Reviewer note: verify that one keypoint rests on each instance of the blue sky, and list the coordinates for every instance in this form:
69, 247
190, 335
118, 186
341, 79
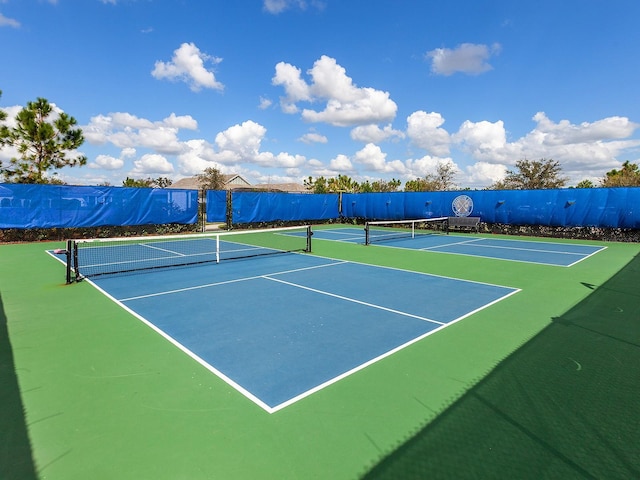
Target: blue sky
280, 90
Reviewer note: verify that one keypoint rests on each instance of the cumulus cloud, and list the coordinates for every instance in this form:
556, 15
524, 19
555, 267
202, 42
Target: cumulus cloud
423, 129
151, 164
484, 173
188, 65
128, 131
264, 103
8, 22
468, 58
417, 168
375, 160
341, 163
375, 134
584, 150
313, 137
279, 6
107, 162
345, 103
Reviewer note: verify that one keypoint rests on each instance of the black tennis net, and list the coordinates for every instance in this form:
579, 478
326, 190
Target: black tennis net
385, 230
102, 256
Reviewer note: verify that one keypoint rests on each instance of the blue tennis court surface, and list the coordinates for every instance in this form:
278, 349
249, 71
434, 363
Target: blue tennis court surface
542, 252
278, 328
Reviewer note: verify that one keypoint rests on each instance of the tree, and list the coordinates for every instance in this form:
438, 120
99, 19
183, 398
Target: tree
319, 185
441, 180
533, 175
211, 179
380, 186
627, 176
4, 131
585, 184
160, 182
43, 143
341, 183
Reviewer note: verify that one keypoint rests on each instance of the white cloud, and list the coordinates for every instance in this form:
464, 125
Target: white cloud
128, 131
244, 140
483, 173
313, 137
424, 131
188, 65
584, 150
107, 162
417, 168
150, 164
278, 6
375, 134
8, 22
346, 104
264, 103
375, 160
467, 58
341, 163
564, 132
485, 140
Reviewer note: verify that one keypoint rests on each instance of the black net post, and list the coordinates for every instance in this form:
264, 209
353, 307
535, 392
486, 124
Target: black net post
68, 257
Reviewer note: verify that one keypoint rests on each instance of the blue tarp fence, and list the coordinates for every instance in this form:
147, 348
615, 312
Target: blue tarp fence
589, 207
62, 206
251, 207
216, 206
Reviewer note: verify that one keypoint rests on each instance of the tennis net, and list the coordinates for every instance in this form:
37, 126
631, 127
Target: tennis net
101, 256
380, 231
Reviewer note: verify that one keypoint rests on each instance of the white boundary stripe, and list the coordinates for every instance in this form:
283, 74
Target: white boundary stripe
153, 247
236, 280
319, 387
353, 300
198, 359
384, 355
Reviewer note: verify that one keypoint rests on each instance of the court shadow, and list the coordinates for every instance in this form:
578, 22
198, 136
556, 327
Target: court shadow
564, 405
16, 460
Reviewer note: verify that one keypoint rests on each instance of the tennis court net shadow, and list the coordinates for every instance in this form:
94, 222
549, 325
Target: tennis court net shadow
16, 460
564, 405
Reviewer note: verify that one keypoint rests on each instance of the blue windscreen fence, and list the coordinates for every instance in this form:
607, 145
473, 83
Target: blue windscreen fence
252, 207
590, 207
63, 206
216, 205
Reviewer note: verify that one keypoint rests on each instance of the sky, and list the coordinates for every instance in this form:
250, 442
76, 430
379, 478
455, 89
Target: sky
280, 90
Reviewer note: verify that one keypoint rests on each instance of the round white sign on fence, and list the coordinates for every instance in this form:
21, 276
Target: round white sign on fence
462, 206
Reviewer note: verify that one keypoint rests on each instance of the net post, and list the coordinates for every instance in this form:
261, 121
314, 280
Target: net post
309, 235
76, 264
367, 240
217, 248
68, 258
413, 229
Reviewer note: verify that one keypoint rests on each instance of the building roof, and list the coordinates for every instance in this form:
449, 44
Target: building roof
236, 182
192, 183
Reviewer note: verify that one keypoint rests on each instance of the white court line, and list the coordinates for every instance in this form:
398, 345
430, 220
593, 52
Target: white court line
502, 247
162, 249
353, 300
236, 280
453, 243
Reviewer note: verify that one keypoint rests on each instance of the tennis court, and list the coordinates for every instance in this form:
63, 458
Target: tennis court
349, 361
303, 323
541, 252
